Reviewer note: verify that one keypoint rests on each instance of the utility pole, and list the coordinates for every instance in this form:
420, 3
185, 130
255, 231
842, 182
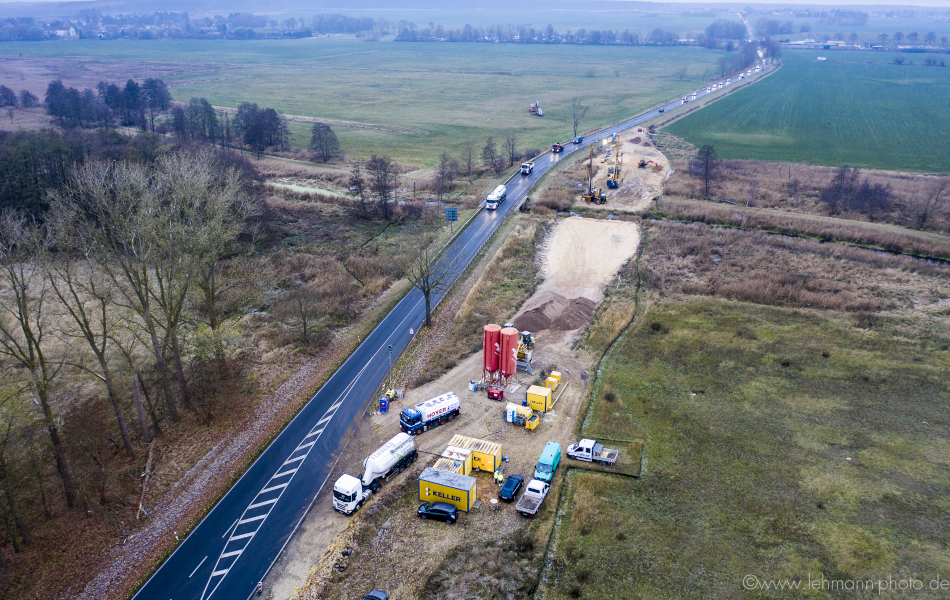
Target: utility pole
390, 366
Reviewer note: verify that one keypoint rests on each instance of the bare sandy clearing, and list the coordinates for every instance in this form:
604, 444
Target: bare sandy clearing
579, 259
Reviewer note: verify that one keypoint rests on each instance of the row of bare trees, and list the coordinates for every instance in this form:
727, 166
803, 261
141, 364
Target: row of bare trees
495, 158
126, 263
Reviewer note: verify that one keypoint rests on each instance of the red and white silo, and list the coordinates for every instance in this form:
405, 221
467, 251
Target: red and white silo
509, 351
492, 341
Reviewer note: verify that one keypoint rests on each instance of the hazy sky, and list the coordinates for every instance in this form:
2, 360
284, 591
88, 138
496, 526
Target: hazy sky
940, 3
778, 3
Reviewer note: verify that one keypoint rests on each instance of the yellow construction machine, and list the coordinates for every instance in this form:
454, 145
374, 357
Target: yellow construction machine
613, 180
592, 195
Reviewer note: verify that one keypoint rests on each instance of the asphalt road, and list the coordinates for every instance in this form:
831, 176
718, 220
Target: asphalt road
243, 535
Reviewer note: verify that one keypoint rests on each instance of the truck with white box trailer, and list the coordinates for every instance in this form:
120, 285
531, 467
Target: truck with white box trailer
349, 492
426, 415
496, 197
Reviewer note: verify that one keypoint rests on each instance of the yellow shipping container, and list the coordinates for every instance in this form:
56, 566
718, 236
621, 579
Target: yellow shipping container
556, 375
459, 455
540, 398
486, 456
441, 486
551, 383
449, 466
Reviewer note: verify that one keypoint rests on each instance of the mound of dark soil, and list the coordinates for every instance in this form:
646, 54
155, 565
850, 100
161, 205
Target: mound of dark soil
557, 314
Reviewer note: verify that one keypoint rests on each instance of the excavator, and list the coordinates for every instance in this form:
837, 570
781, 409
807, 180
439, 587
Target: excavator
592, 195
613, 179
643, 164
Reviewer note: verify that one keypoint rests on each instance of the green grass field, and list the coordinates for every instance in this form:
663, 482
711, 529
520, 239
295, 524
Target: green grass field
436, 95
865, 114
779, 444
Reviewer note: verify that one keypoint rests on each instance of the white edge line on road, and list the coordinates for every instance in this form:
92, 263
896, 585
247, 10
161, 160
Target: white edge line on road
230, 528
198, 567
205, 594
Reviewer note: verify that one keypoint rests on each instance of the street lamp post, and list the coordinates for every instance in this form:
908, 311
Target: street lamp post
390, 366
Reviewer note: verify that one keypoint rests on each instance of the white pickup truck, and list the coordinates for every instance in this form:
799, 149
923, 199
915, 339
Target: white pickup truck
532, 498
591, 451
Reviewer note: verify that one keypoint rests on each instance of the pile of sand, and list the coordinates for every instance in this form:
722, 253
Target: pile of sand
557, 314
580, 257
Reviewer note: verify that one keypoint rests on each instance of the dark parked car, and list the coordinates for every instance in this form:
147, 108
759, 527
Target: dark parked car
376, 595
510, 489
440, 511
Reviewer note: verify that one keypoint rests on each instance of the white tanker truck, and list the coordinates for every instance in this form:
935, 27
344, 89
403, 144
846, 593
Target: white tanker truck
349, 493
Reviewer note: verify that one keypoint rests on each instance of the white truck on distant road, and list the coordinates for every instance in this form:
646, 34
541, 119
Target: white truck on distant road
526, 168
591, 451
532, 498
349, 493
496, 197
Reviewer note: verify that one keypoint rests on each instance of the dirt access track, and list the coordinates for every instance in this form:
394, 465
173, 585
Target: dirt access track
580, 257
638, 187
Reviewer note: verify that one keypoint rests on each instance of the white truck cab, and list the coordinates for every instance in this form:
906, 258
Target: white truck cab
349, 494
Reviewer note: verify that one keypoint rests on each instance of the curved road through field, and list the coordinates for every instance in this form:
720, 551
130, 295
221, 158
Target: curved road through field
239, 540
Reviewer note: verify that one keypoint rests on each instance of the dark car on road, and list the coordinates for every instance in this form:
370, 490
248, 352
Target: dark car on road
662, 109
376, 595
440, 511
510, 489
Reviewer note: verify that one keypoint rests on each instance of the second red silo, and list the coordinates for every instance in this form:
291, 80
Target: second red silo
509, 351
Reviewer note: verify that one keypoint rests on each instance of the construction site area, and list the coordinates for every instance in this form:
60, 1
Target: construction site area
630, 170
490, 417
623, 174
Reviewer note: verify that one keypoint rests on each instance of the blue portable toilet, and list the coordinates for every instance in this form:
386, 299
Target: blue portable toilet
383, 404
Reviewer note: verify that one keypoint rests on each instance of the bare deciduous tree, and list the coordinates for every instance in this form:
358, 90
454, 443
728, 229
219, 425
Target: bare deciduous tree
467, 156
708, 168
383, 176
358, 187
432, 273
88, 300
444, 175
511, 147
24, 327
302, 306
12, 414
929, 202
123, 228
578, 111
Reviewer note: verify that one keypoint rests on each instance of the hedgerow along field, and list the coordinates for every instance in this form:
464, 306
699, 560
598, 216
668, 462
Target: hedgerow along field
431, 97
872, 114
778, 443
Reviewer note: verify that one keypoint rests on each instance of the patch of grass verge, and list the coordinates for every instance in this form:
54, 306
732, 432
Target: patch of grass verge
834, 466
